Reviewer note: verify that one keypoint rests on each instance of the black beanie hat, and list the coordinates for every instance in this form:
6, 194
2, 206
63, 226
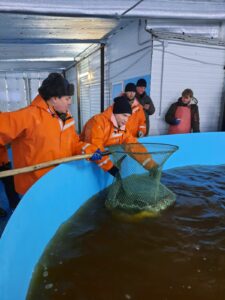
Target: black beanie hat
55, 85
121, 106
141, 82
130, 87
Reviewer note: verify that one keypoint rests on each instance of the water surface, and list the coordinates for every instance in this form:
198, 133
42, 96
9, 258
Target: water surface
179, 254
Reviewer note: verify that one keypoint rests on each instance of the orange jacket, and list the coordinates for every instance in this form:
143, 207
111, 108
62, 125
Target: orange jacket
36, 135
137, 121
4, 159
101, 130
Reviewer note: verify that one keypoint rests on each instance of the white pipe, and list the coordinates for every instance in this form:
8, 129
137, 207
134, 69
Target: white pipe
147, 9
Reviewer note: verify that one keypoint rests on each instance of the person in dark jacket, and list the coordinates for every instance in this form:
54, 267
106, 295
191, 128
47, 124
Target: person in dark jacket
145, 101
183, 115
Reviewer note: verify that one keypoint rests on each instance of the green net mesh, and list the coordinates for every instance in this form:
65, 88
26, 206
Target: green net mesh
137, 189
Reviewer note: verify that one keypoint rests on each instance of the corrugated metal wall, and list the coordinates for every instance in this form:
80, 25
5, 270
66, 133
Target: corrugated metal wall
90, 84
18, 89
71, 76
181, 66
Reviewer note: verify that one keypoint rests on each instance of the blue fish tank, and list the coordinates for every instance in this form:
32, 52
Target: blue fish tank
62, 192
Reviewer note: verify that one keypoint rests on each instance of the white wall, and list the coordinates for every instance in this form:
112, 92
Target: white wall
89, 76
89, 82
18, 89
194, 66
197, 67
128, 53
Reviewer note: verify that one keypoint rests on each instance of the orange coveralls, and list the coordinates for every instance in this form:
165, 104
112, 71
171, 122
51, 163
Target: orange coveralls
137, 121
102, 130
36, 135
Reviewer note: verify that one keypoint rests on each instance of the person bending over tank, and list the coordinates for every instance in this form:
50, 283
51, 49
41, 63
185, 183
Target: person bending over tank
145, 101
136, 123
109, 128
43, 131
183, 115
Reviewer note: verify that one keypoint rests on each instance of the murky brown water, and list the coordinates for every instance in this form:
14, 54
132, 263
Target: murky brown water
177, 255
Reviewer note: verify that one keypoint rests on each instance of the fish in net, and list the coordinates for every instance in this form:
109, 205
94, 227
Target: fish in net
137, 189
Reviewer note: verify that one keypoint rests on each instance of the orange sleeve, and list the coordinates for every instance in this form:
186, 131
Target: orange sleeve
12, 124
129, 138
140, 154
142, 121
94, 134
81, 147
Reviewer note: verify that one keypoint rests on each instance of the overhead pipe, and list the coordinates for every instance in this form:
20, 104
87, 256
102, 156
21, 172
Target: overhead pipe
184, 27
150, 10
211, 31
47, 41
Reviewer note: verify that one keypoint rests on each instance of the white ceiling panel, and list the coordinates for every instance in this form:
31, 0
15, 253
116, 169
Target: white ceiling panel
26, 37
62, 29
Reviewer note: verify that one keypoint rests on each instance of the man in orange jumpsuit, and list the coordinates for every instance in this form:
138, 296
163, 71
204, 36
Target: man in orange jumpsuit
43, 131
137, 122
109, 128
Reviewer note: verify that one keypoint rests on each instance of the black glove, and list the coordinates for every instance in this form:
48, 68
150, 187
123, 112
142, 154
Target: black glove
113, 171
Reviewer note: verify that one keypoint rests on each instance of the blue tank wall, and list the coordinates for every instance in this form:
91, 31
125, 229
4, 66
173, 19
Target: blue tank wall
58, 195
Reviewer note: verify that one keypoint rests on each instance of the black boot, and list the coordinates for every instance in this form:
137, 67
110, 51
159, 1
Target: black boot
3, 213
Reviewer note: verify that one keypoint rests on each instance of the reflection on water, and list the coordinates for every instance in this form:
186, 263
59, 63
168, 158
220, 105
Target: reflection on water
178, 255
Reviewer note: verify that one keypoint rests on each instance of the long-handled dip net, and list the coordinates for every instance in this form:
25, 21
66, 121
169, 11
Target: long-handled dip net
137, 186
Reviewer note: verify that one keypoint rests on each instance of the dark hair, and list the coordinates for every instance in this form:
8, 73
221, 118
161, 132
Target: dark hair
55, 85
187, 92
141, 82
130, 87
121, 106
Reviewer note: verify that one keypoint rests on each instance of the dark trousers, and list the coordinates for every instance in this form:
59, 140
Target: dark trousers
8, 183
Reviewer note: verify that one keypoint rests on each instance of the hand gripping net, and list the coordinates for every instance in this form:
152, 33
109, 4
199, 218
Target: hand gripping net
137, 188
